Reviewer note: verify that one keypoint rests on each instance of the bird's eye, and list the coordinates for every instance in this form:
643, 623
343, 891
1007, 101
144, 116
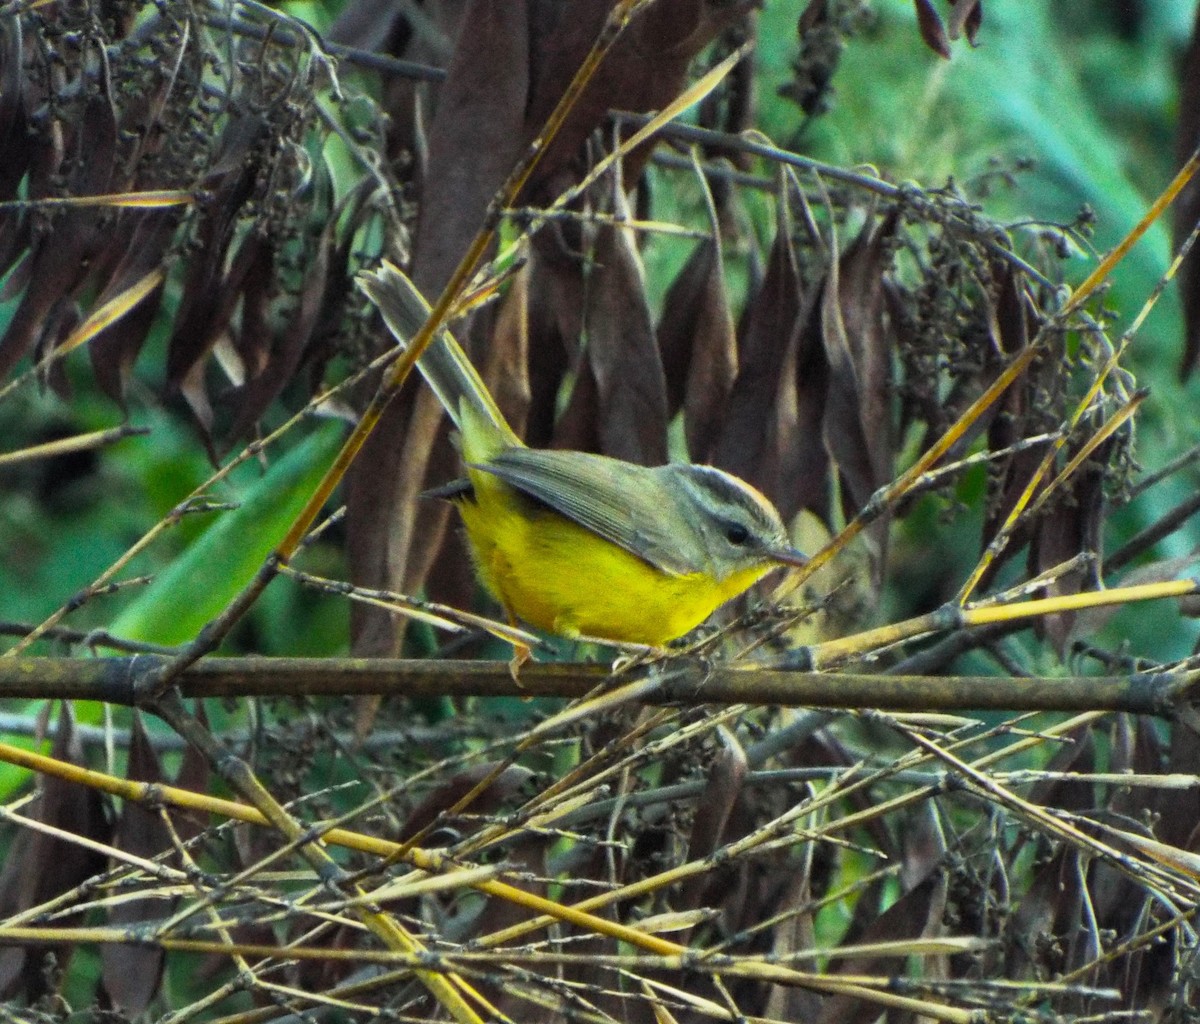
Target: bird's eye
736, 533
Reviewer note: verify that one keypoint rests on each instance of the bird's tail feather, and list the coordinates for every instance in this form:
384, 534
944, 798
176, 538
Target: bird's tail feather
443, 364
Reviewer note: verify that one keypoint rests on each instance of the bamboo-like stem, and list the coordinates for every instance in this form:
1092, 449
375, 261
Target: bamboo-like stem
450, 990
1119, 251
445, 986
951, 616
67, 445
117, 681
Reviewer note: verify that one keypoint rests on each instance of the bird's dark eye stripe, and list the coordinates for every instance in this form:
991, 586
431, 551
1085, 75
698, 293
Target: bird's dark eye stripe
718, 484
731, 492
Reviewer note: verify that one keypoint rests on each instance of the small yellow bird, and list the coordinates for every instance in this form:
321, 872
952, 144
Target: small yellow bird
582, 545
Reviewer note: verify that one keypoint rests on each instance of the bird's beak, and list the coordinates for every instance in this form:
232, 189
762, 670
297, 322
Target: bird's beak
788, 556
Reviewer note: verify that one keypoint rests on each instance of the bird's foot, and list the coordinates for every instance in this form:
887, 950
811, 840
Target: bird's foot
521, 654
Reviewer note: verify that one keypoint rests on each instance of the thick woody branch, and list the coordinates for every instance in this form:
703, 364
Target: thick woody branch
123, 681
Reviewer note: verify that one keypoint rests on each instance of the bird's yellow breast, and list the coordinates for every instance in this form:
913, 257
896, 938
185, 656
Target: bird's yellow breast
562, 578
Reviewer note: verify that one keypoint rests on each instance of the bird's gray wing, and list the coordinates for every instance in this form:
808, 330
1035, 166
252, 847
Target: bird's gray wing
626, 504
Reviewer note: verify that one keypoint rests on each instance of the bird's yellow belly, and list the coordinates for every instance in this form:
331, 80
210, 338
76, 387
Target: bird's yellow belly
560, 577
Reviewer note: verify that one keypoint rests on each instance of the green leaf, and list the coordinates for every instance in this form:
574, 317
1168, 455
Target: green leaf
202, 581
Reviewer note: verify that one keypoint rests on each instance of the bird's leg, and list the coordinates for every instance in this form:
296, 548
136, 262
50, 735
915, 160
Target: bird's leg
521, 652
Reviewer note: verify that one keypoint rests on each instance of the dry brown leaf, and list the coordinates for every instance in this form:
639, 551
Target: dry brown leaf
382, 481
761, 415
965, 19
677, 325
645, 70
869, 338
1070, 529
916, 914
1009, 323
1051, 897
1120, 904
1077, 756
208, 298
713, 367
932, 29
554, 304
61, 258
432, 810
42, 866
1178, 810
505, 360
13, 157
698, 342
804, 456
723, 788
578, 428
857, 421
857, 343
475, 137
115, 349
131, 974
797, 932
195, 774
1187, 206
622, 353
274, 366
1118, 900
